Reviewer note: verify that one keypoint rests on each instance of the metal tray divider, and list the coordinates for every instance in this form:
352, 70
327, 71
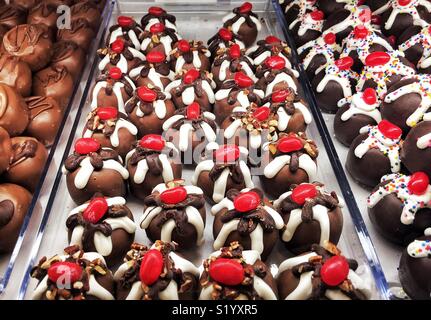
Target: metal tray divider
338, 168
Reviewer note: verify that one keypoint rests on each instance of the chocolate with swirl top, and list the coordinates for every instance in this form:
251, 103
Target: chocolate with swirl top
46, 14
12, 69
14, 114
88, 11
80, 33
11, 16
25, 4
69, 55
5, 149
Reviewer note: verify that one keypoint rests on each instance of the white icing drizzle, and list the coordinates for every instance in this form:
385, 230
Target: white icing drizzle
423, 38
131, 33
167, 23
343, 77
305, 163
159, 107
304, 6
122, 62
411, 203
242, 97
410, 9
419, 249
352, 20
424, 141
116, 89
357, 105
376, 140
306, 22
114, 138
166, 41
279, 78
319, 47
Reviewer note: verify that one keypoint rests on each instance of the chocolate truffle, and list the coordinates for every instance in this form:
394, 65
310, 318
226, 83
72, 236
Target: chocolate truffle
158, 38
113, 89
221, 170
402, 14
119, 54
399, 206
190, 86
80, 33
15, 73
102, 225
91, 169
415, 43
241, 91
14, 203
355, 112
57, 3
3, 31
374, 153
127, 29
25, 4
269, 47
307, 27
416, 149
148, 109
322, 274
26, 163
111, 129
229, 62
248, 217
11, 16
158, 15
288, 161
223, 39
191, 130
188, 55
382, 70
88, 277
55, 82
152, 162
45, 14
88, 11
31, 43
296, 8
69, 55
334, 82
5, 150
243, 22
236, 274
175, 212
414, 268
14, 113
311, 215
154, 72
45, 119
157, 273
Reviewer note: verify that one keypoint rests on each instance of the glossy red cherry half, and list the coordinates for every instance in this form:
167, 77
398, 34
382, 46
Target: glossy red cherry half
174, 195
360, 32
334, 271
115, 73
155, 57
317, 15
151, 267
191, 76
330, 38
289, 144
418, 183
303, 192
66, 272
225, 34
227, 153
157, 27
96, 209
344, 63
272, 39
107, 113
279, 96
235, 51
146, 94
117, 46
246, 7
404, 2
183, 45
242, 80
193, 111
246, 201
369, 96
275, 62
86, 145
125, 21
261, 113
226, 271
377, 58
156, 11
152, 142
389, 130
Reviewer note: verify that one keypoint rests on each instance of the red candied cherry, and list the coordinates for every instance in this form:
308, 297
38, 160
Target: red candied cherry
117, 46
272, 39
151, 267
261, 113
174, 195
125, 21
329, 38
235, 51
369, 96
404, 2
67, 272
344, 63
334, 271
246, 201
226, 271
86, 145
392, 40
155, 57
279, 96
360, 32
376, 19
418, 183
242, 80
303, 192
107, 113
191, 76
225, 34
246, 7
389, 130
317, 15
96, 209
146, 94
155, 11
115, 73
377, 58
289, 144
183, 45
157, 28
227, 153
193, 111
152, 142
275, 63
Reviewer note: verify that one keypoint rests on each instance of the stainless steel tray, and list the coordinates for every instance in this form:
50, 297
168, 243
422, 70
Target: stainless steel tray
42, 192
200, 21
